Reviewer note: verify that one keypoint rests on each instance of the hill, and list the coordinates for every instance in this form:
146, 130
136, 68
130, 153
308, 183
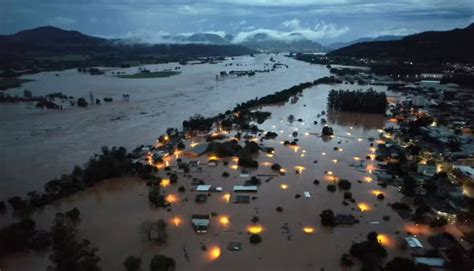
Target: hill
432, 46
338, 45
47, 48
266, 43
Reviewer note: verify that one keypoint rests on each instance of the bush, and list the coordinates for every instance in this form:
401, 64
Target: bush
173, 178
181, 146
327, 131
162, 263
344, 184
331, 188
225, 174
328, 218
279, 209
73, 214
248, 162
253, 181
16, 237
132, 263
255, 239
82, 102
155, 197
369, 252
347, 195
380, 196
346, 260
276, 167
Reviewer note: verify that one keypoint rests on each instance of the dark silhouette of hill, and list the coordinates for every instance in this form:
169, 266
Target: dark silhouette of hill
54, 48
432, 46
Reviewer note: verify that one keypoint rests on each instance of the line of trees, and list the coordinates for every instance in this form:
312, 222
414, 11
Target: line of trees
358, 101
201, 123
111, 163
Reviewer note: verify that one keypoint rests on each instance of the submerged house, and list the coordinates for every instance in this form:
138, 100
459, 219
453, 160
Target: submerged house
245, 188
200, 223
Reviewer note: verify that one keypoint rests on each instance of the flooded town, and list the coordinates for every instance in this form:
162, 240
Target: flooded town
236, 157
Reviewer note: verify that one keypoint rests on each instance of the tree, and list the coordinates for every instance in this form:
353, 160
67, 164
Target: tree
344, 184
328, 218
132, 263
255, 239
82, 102
68, 253
162, 263
327, 131
155, 231
156, 198
370, 252
17, 236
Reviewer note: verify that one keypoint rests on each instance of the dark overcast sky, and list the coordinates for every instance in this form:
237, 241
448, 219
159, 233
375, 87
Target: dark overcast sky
320, 20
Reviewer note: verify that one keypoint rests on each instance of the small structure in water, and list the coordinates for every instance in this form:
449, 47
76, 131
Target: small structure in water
200, 223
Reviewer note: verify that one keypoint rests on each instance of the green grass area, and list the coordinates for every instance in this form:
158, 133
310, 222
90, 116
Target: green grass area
141, 75
6, 83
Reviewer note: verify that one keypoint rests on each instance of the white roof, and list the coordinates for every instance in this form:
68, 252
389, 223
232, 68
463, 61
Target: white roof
466, 170
413, 242
244, 175
200, 222
307, 194
203, 187
245, 188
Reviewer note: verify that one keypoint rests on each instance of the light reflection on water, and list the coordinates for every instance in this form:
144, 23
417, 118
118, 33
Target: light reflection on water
38, 145
123, 205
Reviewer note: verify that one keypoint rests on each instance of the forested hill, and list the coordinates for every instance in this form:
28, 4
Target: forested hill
432, 46
51, 46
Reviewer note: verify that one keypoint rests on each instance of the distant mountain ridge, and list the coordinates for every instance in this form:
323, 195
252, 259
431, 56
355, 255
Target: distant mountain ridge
54, 48
439, 46
338, 45
259, 42
298, 43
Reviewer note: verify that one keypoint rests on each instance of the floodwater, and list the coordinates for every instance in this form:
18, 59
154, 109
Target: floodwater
37, 145
113, 212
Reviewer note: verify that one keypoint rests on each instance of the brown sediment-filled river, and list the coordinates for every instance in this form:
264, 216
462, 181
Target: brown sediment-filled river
112, 212
37, 145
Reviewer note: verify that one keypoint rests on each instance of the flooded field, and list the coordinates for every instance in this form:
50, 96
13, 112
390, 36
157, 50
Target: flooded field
37, 145
112, 213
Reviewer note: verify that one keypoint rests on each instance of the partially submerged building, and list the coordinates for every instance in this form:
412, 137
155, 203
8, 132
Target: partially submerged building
200, 223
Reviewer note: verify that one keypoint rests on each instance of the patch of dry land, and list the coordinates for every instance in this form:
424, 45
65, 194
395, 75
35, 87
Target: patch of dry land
113, 212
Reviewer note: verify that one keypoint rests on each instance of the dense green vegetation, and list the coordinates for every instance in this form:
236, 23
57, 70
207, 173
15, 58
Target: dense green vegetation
142, 75
358, 101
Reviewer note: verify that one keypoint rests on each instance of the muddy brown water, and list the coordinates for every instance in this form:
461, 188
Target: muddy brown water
113, 212
38, 145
